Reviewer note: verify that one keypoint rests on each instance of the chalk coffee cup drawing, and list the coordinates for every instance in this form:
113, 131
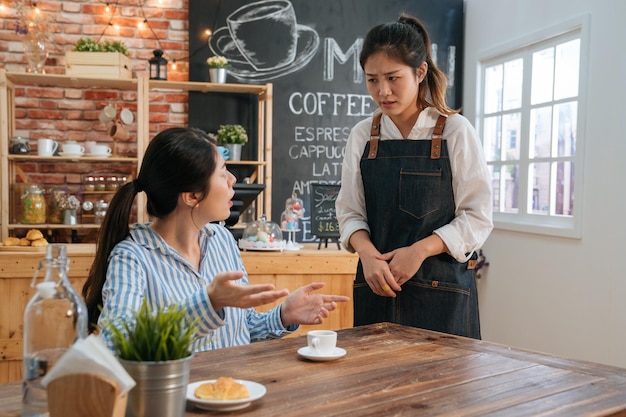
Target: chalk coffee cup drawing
119, 131
108, 113
47, 147
225, 152
276, 20
322, 342
72, 148
100, 150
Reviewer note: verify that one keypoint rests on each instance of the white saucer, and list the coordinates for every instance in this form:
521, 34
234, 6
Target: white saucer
314, 356
255, 390
70, 155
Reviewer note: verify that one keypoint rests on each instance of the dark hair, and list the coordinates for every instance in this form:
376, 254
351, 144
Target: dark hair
177, 160
408, 41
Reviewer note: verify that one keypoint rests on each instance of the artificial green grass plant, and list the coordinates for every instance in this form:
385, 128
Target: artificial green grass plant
152, 335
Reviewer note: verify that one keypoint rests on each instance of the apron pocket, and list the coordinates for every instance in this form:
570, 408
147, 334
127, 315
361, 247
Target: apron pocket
419, 192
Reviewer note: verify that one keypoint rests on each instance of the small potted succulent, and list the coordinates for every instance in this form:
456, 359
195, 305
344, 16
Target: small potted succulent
217, 68
154, 346
233, 137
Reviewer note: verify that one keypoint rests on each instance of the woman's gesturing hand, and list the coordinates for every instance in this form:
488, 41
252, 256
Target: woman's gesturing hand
303, 306
223, 292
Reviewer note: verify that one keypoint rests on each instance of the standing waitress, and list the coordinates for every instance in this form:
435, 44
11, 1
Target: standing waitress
415, 199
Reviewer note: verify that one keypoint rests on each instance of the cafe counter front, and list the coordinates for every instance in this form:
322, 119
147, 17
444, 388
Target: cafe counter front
287, 269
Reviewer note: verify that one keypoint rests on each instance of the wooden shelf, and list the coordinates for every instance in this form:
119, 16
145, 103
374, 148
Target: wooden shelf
52, 226
10, 83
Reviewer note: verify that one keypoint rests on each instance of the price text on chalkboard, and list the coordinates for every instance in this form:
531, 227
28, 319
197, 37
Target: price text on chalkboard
323, 214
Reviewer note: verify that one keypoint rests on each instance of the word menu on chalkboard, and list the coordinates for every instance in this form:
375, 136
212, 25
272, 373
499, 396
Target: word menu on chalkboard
324, 223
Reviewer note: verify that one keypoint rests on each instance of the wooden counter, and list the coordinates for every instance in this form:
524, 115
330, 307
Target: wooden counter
336, 268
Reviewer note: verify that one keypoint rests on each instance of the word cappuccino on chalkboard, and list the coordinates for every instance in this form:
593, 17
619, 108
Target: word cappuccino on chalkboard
323, 213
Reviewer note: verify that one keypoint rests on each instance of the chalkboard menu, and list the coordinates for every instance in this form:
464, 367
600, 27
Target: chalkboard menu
323, 214
309, 50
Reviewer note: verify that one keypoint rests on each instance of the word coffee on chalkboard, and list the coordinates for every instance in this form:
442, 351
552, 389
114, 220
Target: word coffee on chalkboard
323, 214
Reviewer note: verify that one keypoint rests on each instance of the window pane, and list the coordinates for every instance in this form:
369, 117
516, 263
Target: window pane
495, 186
563, 188
510, 178
511, 136
566, 70
543, 80
493, 89
513, 77
540, 132
539, 192
565, 121
491, 138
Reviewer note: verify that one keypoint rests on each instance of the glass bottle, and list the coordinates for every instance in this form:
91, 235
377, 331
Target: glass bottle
33, 205
53, 320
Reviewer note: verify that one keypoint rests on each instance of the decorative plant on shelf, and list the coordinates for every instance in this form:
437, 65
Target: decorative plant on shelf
232, 134
90, 45
217, 61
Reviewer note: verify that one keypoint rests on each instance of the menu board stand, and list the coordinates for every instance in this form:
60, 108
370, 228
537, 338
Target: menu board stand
324, 223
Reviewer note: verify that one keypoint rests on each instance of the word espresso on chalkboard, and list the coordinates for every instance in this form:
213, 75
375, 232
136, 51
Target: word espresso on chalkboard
323, 213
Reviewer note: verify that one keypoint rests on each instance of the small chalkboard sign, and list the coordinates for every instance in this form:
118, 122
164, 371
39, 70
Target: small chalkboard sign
324, 223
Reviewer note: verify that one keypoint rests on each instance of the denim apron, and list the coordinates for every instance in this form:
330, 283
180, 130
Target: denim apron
408, 194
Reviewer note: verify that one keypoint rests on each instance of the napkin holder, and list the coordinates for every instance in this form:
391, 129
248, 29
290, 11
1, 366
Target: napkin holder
85, 395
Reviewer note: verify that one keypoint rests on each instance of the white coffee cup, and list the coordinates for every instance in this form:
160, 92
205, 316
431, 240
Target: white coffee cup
100, 150
47, 147
72, 149
322, 342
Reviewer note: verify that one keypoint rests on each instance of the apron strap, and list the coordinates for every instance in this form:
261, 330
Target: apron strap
374, 136
435, 146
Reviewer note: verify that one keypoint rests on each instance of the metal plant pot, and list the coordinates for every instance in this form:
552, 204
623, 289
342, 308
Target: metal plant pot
161, 387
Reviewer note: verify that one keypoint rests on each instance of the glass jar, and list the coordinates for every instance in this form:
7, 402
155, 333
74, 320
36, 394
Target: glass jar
33, 205
89, 184
18, 145
100, 210
99, 185
55, 206
262, 235
112, 183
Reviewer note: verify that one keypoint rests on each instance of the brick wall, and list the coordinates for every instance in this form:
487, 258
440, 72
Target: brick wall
65, 114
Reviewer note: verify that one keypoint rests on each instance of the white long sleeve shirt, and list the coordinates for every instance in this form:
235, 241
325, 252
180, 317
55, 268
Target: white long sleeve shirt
471, 181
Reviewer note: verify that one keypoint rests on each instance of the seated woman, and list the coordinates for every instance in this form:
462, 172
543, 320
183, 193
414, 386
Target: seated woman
181, 257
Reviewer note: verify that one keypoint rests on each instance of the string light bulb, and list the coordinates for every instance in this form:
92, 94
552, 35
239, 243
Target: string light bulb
141, 24
174, 65
107, 8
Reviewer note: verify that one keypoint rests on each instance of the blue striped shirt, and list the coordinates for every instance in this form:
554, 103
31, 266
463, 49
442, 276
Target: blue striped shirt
144, 265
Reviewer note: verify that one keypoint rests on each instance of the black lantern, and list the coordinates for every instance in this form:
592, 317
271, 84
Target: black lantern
158, 66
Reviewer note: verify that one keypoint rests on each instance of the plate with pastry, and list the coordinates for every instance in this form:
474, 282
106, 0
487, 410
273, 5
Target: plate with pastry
224, 393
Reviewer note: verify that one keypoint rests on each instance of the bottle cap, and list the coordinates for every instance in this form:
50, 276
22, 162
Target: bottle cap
46, 289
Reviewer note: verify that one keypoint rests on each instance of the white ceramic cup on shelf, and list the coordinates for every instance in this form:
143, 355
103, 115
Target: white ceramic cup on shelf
72, 148
100, 150
47, 147
322, 342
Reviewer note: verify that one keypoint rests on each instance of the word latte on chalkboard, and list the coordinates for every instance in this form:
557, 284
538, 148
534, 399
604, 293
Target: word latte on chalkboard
324, 223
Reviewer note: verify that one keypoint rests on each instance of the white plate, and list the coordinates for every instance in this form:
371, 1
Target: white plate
70, 155
255, 389
99, 155
314, 356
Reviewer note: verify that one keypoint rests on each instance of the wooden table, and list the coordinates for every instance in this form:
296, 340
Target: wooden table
392, 370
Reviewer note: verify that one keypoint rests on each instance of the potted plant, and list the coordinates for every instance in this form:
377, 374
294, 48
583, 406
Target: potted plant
217, 68
154, 346
233, 137
107, 59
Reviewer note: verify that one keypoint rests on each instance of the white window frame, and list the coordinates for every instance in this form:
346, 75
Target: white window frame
562, 226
